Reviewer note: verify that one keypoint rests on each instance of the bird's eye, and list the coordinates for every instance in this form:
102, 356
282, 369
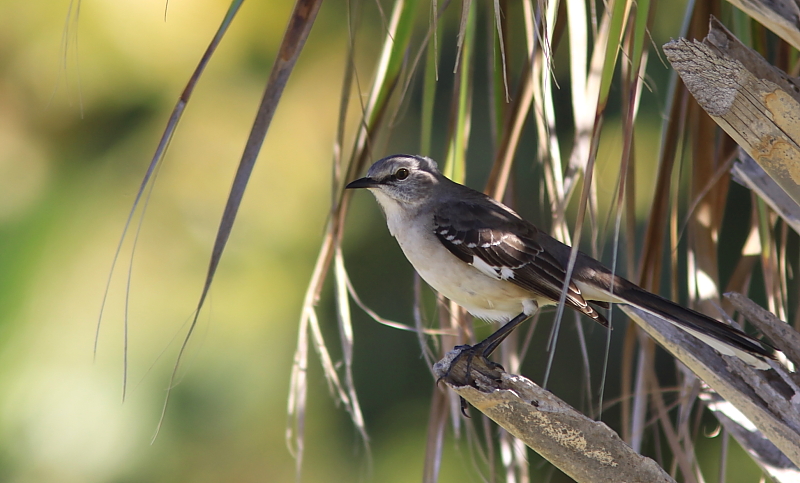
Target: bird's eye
401, 174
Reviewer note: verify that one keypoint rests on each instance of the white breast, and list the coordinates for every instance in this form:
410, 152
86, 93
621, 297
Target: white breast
483, 296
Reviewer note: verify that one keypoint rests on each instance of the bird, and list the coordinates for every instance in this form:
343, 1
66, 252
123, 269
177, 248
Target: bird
486, 258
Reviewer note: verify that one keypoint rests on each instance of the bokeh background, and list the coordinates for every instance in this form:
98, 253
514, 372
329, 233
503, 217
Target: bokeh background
83, 101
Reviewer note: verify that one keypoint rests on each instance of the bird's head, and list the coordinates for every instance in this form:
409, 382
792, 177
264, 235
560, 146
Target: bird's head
401, 179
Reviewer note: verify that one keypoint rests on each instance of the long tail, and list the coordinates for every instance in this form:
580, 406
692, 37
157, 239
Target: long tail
596, 284
722, 337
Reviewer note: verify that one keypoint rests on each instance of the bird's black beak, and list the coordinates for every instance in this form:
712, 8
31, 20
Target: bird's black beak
363, 183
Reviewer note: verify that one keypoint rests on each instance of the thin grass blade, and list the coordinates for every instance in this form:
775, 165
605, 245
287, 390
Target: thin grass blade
300, 23
155, 162
384, 84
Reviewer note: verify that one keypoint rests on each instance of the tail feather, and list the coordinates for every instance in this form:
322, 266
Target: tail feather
723, 337
596, 283
590, 311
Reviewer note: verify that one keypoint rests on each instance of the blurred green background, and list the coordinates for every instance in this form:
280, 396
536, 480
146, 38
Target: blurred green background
81, 112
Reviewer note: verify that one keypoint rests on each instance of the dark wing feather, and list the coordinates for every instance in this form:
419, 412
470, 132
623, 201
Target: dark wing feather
508, 245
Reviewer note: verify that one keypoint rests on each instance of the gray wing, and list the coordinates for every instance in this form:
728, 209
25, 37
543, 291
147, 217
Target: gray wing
499, 243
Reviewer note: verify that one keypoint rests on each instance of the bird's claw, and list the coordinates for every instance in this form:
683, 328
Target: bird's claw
471, 365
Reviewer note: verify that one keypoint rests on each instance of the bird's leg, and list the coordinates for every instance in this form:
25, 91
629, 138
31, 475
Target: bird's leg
490, 344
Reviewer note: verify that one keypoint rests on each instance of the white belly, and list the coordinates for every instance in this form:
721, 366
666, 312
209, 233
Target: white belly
482, 296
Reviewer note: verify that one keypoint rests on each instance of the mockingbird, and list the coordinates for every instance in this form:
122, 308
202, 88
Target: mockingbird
486, 258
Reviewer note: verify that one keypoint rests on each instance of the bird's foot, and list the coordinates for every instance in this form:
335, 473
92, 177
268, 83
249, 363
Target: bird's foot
468, 365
